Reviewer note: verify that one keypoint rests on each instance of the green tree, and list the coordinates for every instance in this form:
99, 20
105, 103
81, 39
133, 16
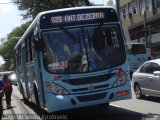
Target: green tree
33, 7
7, 47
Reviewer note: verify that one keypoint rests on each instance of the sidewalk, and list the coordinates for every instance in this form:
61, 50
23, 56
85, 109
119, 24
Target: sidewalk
7, 113
19, 110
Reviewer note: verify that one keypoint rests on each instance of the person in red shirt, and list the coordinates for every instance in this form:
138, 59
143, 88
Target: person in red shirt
1, 96
7, 88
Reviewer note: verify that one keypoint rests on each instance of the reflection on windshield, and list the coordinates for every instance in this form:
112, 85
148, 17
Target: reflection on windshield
64, 50
105, 47
82, 50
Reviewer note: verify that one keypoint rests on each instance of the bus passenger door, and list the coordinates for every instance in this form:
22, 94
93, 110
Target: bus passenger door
24, 69
18, 69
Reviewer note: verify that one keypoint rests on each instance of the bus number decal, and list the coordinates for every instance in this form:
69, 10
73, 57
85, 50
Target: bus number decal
58, 65
56, 19
61, 77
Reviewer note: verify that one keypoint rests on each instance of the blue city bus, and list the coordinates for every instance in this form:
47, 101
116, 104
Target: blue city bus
71, 58
137, 55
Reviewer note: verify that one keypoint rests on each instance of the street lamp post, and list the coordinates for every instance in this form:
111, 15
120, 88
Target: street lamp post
146, 27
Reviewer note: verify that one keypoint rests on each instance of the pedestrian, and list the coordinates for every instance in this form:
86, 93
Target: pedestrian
7, 88
1, 96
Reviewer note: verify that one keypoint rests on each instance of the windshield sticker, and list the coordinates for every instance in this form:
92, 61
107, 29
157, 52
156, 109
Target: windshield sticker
93, 65
58, 65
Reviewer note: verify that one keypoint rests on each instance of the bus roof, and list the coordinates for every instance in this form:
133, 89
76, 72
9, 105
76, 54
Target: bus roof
74, 8
37, 19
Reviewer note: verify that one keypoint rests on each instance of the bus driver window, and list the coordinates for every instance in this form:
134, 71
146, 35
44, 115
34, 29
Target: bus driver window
103, 44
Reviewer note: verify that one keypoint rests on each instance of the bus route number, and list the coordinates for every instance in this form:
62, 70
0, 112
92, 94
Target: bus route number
56, 19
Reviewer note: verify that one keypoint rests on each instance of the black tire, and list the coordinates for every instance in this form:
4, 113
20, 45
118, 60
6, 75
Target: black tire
36, 97
103, 106
24, 99
138, 92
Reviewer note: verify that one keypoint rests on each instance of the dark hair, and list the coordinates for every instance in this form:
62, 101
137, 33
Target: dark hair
5, 77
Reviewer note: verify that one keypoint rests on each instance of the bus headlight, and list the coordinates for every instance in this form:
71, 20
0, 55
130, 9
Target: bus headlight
121, 80
56, 89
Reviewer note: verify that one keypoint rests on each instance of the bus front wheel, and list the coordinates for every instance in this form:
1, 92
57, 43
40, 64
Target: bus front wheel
23, 96
36, 97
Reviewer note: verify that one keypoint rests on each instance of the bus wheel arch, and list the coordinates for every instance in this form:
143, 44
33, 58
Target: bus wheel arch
36, 95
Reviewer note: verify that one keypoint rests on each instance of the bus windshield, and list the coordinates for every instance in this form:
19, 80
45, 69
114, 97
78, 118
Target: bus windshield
83, 49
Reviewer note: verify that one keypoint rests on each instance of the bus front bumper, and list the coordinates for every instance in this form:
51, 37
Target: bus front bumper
63, 102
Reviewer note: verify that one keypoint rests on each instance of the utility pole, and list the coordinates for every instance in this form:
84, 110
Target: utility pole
145, 34
145, 21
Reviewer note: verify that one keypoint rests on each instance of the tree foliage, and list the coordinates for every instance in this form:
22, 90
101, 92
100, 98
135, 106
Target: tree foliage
33, 7
7, 48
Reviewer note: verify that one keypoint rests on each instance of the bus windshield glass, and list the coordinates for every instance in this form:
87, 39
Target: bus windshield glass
84, 49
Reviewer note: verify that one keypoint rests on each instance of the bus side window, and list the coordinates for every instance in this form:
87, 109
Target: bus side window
105, 43
19, 56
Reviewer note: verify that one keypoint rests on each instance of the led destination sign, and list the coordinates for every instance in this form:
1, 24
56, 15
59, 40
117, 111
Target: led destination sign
78, 17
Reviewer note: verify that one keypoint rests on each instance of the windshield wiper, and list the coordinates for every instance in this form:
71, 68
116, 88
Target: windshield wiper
69, 34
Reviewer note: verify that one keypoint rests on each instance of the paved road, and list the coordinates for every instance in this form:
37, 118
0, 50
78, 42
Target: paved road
145, 105
132, 109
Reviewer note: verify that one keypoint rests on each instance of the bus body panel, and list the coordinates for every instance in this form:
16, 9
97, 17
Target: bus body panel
136, 56
65, 101
135, 61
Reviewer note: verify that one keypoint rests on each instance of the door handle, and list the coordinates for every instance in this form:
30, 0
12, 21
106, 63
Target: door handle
150, 78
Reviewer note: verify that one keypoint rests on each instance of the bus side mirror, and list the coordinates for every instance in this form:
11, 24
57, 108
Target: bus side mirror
38, 44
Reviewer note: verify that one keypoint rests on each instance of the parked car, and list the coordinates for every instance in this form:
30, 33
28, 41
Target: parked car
146, 80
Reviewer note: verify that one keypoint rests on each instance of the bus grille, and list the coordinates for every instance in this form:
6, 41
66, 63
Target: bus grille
95, 88
91, 97
89, 80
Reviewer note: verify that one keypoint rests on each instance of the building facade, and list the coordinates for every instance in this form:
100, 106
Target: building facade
142, 19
